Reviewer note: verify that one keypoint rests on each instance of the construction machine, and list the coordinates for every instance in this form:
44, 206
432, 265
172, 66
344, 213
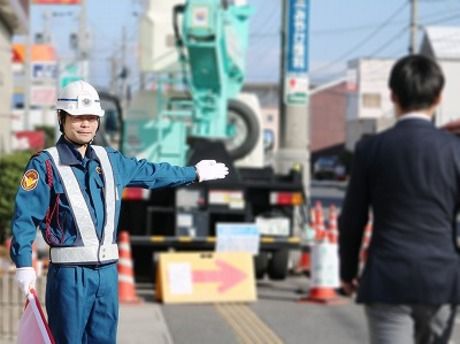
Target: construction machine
196, 111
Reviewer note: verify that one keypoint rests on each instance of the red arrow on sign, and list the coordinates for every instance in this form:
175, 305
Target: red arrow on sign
226, 275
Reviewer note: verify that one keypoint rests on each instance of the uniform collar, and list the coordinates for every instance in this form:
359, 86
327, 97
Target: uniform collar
414, 115
69, 155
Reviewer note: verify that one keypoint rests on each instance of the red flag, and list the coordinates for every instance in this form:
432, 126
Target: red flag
33, 328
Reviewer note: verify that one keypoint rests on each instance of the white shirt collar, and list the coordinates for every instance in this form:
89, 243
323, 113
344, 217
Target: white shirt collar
415, 114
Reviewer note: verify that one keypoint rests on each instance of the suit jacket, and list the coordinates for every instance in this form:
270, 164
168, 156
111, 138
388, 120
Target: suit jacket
409, 176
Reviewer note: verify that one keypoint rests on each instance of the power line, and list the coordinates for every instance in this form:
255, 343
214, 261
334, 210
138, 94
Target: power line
349, 29
365, 40
389, 41
444, 19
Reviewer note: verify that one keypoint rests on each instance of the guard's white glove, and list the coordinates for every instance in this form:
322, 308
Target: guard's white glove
25, 278
210, 170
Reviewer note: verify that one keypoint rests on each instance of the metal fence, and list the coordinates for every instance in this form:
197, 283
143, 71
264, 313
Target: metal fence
12, 302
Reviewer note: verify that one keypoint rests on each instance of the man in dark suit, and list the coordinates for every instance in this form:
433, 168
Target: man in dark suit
409, 178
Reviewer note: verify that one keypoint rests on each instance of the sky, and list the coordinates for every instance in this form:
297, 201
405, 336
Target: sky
339, 31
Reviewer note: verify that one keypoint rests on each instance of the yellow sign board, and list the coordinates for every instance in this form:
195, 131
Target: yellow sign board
205, 277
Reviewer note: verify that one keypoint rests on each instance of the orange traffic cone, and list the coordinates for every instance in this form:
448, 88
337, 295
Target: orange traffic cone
126, 288
324, 275
304, 263
325, 265
333, 233
319, 222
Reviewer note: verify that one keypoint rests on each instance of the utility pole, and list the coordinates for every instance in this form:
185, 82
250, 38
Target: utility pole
28, 78
113, 74
294, 108
124, 70
413, 27
83, 42
46, 27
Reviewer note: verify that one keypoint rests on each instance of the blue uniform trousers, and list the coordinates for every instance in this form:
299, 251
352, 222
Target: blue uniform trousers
82, 303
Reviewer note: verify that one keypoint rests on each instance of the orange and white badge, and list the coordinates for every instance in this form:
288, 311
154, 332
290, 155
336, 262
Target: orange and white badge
30, 180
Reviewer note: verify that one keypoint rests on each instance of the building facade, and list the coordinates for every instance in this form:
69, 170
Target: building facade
369, 106
327, 120
13, 20
443, 45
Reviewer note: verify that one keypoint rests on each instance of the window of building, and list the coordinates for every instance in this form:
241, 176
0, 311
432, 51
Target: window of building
371, 100
18, 101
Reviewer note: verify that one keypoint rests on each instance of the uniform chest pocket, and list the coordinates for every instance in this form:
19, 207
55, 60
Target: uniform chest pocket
100, 183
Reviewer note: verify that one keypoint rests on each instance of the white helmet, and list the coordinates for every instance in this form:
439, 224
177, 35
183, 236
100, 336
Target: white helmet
79, 98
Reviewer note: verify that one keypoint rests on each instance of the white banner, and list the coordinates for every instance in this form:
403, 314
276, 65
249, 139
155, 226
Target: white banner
325, 265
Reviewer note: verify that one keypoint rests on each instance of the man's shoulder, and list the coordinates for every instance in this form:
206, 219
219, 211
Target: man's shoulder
111, 150
113, 154
108, 149
368, 140
40, 157
447, 135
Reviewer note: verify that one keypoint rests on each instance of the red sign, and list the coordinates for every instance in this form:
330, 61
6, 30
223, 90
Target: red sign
55, 2
35, 139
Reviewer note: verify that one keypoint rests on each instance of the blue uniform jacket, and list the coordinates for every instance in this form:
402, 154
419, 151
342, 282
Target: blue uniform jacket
45, 207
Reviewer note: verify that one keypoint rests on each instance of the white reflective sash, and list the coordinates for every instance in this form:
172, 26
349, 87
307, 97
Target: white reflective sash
109, 195
90, 252
84, 254
80, 210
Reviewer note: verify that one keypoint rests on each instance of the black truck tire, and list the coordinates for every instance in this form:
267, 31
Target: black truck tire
260, 265
239, 111
278, 265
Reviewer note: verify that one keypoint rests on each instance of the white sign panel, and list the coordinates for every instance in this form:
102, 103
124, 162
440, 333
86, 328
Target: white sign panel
296, 89
180, 278
237, 237
278, 226
44, 70
43, 95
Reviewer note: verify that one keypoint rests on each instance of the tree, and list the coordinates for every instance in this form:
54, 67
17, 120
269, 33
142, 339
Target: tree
12, 167
50, 134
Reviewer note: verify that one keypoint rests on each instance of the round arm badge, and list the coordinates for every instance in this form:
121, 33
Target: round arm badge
30, 180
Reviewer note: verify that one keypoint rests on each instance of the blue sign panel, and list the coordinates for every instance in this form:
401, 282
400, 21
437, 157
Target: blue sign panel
297, 36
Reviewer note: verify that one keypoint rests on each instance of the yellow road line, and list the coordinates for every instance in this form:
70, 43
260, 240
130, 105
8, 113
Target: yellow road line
249, 328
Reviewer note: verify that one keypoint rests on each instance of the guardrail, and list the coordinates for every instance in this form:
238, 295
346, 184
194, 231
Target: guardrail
12, 302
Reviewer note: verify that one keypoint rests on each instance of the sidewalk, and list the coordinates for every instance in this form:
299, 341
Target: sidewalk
144, 322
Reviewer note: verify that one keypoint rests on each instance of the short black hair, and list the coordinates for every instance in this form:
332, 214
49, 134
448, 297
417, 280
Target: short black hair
61, 119
416, 81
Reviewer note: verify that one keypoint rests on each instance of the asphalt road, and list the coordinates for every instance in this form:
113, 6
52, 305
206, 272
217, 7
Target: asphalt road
277, 316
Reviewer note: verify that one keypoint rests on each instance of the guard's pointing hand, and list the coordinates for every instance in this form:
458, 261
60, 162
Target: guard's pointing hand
210, 170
